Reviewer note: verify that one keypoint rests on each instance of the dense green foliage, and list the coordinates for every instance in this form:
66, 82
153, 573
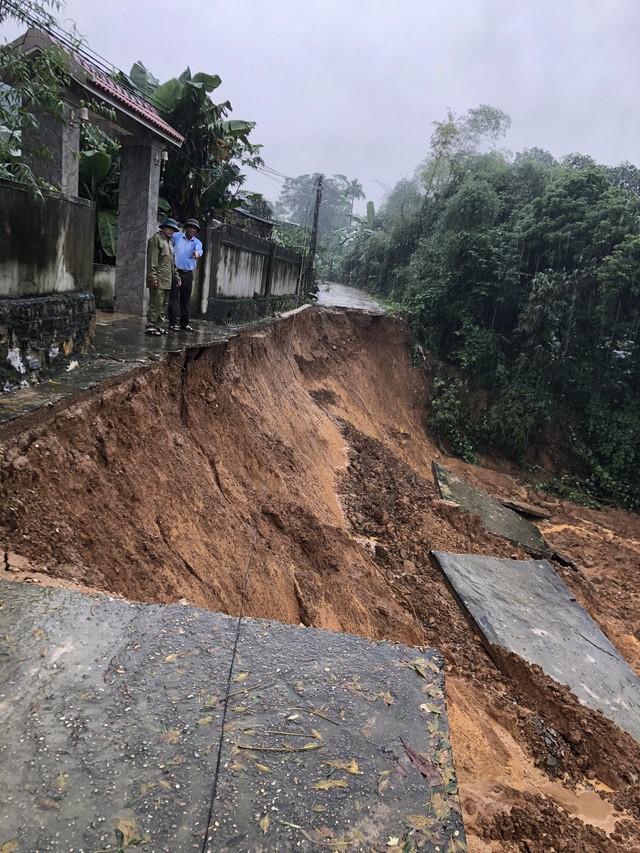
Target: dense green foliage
99, 182
522, 276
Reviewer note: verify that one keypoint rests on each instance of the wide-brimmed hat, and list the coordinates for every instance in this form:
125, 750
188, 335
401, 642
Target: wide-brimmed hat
193, 222
170, 223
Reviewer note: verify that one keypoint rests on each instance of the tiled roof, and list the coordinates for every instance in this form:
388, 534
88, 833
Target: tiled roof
94, 75
127, 98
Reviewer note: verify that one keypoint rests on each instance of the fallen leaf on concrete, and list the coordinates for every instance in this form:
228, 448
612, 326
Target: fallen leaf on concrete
423, 764
439, 807
418, 821
264, 824
171, 736
430, 708
127, 834
326, 784
350, 766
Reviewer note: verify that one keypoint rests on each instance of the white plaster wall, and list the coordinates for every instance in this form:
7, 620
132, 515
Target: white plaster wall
240, 273
284, 278
104, 282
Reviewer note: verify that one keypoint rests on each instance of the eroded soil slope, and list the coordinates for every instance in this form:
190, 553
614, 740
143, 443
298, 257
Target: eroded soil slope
151, 490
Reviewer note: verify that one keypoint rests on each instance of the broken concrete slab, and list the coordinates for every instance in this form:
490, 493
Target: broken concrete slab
110, 716
496, 518
526, 509
346, 746
524, 607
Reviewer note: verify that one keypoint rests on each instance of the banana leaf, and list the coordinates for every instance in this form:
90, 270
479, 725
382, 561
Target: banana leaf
107, 231
166, 96
94, 167
143, 80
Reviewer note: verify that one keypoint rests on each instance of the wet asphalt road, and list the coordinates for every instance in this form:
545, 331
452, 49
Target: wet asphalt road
343, 296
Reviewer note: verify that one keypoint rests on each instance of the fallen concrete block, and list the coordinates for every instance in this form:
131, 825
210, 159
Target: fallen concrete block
496, 518
524, 607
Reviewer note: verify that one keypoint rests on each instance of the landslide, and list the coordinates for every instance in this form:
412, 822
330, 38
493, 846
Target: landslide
150, 489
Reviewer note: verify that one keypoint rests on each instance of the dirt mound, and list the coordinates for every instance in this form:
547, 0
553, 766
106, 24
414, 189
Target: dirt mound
151, 490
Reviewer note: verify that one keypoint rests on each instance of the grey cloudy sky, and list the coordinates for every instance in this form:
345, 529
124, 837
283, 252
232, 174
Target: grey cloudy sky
353, 87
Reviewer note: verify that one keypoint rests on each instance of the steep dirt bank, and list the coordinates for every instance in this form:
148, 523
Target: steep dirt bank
151, 488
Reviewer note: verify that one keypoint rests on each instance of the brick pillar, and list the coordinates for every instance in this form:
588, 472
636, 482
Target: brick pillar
51, 148
137, 220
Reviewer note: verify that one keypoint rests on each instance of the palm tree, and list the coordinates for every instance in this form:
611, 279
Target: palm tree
354, 190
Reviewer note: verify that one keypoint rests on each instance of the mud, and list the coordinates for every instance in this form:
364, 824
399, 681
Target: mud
151, 489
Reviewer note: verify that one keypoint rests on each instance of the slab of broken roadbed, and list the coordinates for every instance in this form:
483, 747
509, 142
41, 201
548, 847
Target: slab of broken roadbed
148, 489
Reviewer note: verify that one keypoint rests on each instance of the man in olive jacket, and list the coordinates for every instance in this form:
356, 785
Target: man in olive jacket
161, 274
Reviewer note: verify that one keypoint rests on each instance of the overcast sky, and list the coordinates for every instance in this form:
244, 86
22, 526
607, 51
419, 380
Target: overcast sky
352, 86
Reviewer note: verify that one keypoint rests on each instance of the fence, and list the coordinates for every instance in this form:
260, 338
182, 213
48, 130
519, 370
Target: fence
240, 266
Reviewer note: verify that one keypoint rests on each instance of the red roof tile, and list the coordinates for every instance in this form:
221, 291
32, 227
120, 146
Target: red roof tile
126, 97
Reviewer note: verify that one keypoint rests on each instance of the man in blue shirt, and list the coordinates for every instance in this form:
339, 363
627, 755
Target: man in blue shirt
187, 250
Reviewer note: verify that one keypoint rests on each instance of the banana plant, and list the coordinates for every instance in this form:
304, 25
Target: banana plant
202, 176
99, 178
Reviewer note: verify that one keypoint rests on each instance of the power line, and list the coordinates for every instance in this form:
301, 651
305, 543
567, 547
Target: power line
79, 48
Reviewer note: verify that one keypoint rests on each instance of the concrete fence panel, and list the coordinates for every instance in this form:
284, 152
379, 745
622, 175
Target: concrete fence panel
285, 272
245, 276
243, 264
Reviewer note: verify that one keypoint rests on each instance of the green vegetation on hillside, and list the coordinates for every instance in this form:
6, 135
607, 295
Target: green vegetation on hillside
521, 275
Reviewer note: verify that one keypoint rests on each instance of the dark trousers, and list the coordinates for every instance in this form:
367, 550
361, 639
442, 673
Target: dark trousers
179, 300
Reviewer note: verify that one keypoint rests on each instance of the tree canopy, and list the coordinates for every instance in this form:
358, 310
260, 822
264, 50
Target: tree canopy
522, 275
200, 177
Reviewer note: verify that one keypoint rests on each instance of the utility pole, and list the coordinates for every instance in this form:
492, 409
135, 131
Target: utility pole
314, 236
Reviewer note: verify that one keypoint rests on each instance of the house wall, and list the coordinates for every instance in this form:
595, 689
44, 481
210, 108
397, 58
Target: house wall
104, 285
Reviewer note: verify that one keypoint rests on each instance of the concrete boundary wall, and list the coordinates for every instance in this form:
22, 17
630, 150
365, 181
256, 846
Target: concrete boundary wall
47, 243
240, 266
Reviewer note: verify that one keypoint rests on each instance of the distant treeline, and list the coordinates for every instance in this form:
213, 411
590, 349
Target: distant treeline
521, 275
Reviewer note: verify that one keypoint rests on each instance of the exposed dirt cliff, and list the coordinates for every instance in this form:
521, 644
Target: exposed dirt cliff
151, 489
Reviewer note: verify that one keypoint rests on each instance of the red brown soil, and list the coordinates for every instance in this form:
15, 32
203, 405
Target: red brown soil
150, 489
